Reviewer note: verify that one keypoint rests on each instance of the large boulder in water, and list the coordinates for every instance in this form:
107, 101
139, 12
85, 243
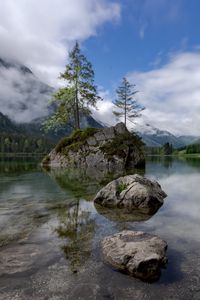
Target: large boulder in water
131, 192
136, 253
110, 149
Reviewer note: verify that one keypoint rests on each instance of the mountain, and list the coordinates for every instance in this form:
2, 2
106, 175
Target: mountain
154, 137
7, 126
189, 139
23, 97
160, 138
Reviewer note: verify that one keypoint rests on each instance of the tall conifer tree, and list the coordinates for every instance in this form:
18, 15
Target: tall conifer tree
78, 96
125, 103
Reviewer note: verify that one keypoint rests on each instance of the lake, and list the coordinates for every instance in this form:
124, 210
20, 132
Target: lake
50, 233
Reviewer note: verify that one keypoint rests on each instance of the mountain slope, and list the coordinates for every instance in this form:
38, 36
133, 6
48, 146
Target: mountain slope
154, 137
23, 97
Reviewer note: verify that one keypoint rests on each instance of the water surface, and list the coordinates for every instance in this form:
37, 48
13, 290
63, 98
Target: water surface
50, 233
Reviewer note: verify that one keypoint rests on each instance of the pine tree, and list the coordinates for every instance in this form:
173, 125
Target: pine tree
125, 103
78, 96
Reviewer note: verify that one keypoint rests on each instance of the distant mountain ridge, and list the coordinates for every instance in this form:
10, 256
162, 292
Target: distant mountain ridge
154, 137
23, 97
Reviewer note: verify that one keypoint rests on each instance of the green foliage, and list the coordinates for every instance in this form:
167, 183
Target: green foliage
193, 148
167, 149
79, 94
19, 143
63, 99
125, 103
153, 150
75, 140
121, 187
119, 145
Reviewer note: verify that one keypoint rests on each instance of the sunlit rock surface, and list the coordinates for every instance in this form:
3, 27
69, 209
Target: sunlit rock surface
131, 191
137, 253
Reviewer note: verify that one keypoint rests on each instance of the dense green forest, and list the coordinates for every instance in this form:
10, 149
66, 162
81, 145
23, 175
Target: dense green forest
193, 148
166, 149
15, 143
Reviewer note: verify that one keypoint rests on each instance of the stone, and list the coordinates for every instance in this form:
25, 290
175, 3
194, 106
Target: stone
136, 253
131, 192
99, 150
120, 128
109, 133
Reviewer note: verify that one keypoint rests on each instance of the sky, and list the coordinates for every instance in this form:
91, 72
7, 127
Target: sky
154, 43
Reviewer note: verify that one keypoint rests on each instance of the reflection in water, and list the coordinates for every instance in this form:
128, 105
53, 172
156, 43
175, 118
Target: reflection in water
123, 214
77, 229
50, 217
87, 182
76, 181
10, 165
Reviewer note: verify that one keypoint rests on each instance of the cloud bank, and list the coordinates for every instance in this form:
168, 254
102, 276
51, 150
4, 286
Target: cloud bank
22, 96
40, 33
171, 94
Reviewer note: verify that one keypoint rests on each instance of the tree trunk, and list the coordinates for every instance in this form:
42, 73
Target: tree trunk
77, 119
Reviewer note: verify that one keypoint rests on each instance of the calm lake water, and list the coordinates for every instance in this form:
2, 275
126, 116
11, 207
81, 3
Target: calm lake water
50, 233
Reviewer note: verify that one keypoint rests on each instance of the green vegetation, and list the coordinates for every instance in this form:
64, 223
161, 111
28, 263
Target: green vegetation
166, 149
75, 140
121, 187
18, 143
193, 148
125, 103
78, 96
119, 145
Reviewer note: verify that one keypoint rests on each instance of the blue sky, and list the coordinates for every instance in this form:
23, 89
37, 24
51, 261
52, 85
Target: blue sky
155, 43
143, 38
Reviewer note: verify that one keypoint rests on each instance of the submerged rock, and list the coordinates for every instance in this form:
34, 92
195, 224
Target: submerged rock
131, 192
137, 253
113, 148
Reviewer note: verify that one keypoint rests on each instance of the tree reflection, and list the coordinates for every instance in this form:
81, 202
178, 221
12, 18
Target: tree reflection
77, 229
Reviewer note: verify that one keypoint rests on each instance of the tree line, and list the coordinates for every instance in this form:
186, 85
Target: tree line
15, 143
193, 148
166, 149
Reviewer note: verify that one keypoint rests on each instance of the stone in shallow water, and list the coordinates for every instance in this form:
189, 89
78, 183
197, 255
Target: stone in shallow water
137, 253
132, 191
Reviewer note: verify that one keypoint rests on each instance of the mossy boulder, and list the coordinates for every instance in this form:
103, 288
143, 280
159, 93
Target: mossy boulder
113, 148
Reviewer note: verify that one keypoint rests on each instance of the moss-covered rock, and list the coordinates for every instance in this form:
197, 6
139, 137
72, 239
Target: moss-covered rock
110, 148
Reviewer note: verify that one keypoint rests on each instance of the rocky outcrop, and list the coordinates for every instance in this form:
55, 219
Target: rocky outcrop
137, 253
131, 192
113, 148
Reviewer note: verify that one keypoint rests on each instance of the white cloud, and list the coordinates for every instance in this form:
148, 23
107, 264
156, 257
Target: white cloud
22, 97
40, 33
171, 94
104, 112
